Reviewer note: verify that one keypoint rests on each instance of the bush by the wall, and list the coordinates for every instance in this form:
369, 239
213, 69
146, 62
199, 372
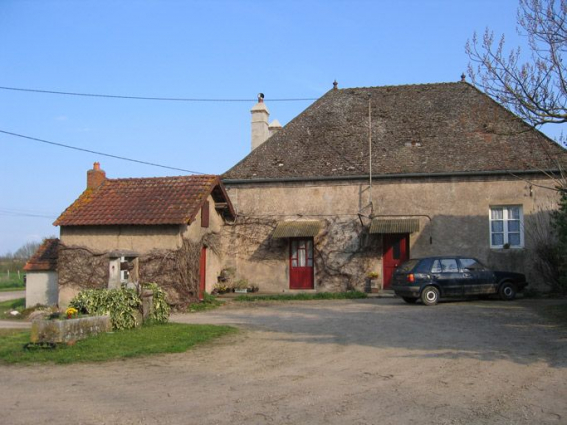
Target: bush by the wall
121, 304
160, 312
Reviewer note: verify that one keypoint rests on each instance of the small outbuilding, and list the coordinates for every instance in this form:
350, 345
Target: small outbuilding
41, 275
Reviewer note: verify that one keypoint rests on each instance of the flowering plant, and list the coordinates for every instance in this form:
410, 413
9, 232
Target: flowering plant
71, 312
372, 275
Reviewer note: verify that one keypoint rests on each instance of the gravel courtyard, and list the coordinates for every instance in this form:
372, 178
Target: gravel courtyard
375, 361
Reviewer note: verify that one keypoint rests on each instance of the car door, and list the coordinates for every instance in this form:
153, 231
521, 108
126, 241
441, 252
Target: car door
472, 275
446, 274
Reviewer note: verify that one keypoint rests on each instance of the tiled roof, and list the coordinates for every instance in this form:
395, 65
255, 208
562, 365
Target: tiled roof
143, 201
422, 129
45, 258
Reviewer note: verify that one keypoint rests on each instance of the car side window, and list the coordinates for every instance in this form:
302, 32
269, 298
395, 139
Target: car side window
445, 265
470, 264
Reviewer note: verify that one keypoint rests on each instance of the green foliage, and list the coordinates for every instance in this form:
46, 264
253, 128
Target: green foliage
560, 225
147, 340
121, 304
160, 313
304, 296
10, 279
209, 302
7, 306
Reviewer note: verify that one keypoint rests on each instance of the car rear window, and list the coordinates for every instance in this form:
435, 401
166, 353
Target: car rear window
407, 266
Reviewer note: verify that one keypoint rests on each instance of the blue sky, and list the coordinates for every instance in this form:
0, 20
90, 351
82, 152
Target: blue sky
212, 49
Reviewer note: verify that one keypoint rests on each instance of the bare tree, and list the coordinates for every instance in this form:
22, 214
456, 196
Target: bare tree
536, 89
26, 250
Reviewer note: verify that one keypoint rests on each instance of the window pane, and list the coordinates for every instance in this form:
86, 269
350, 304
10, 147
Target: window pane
310, 262
396, 250
514, 226
301, 257
449, 266
309, 249
497, 226
497, 239
514, 239
514, 213
496, 214
294, 263
471, 264
294, 249
436, 267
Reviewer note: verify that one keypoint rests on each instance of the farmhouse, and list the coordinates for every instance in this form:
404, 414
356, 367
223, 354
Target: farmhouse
365, 178
141, 230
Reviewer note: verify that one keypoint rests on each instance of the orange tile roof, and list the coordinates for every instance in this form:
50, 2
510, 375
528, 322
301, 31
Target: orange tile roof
45, 258
143, 201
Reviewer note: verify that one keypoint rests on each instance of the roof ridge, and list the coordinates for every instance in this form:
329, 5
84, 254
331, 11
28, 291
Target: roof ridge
200, 176
446, 83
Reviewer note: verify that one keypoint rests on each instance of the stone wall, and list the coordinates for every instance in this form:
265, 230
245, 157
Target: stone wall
453, 213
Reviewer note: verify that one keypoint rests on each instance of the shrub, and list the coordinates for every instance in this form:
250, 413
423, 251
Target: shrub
160, 313
121, 304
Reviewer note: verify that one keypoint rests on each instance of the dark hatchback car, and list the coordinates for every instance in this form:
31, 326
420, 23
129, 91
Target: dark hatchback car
432, 278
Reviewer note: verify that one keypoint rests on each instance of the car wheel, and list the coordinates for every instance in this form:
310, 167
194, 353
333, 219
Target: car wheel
409, 300
507, 291
430, 295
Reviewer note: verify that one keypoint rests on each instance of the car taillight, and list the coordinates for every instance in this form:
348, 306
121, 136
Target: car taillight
411, 278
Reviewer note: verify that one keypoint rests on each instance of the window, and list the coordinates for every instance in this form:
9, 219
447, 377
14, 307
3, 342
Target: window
470, 264
446, 265
302, 253
506, 227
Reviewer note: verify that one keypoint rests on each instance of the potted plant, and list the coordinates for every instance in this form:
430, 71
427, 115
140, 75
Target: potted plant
372, 284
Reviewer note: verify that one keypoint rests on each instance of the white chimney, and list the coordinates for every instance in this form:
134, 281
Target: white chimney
274, 127
260, 130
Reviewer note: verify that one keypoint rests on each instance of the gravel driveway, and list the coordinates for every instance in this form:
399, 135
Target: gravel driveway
324, 362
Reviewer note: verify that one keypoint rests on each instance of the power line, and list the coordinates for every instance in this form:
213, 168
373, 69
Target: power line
98, 153
167, 99
23, 214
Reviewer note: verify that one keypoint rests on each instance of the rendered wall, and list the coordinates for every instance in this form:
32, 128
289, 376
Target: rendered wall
458, 208
41, 288
168, 255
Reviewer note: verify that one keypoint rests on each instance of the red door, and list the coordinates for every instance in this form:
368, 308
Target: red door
395, 249
202, 272
301, 263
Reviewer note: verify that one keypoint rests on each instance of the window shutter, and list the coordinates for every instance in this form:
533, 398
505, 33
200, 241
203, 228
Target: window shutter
205, 214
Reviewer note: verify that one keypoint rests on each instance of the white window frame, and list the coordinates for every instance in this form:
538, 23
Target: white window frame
506, 213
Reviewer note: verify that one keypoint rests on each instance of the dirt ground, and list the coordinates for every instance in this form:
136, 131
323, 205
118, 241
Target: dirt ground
374, 361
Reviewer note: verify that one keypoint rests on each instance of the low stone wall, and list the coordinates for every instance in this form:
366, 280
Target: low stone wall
58, 331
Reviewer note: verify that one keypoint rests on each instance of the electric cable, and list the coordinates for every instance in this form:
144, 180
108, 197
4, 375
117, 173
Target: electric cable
163, 99
98, 153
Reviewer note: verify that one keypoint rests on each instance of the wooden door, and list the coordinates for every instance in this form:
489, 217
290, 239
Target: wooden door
395, 250
202, 273
301, 263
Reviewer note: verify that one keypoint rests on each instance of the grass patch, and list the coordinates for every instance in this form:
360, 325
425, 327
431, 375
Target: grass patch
209, 302
304, 296
6, 306
144, 341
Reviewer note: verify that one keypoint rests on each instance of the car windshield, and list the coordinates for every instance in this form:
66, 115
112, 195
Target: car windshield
407, 266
